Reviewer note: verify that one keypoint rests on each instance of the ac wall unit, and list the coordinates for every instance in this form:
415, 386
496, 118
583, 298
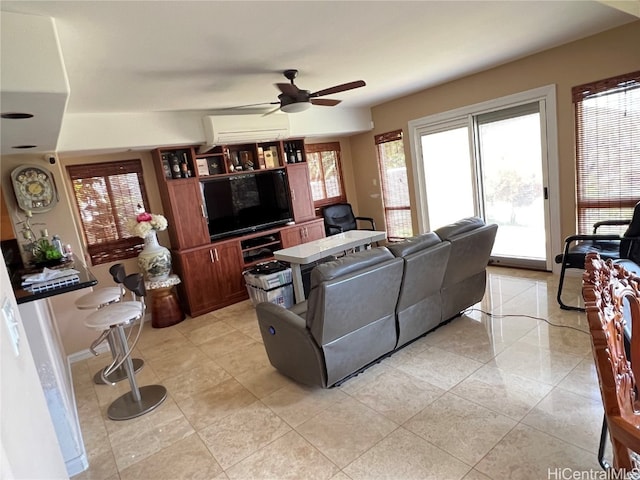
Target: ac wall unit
235, 129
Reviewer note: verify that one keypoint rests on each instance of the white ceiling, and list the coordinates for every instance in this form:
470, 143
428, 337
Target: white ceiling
159, 56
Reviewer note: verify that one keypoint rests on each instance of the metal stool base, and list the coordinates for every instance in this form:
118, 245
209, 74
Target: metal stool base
119, 373
126, 408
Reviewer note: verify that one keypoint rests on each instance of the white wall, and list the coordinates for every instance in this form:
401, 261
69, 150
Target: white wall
29, 444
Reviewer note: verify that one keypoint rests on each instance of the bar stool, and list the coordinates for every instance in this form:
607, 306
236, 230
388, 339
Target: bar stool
100, 298
114, 318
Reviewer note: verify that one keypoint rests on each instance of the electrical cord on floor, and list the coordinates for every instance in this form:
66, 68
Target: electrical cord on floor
495, 315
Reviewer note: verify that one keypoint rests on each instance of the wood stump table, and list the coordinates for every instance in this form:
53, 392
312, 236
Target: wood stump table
165, 309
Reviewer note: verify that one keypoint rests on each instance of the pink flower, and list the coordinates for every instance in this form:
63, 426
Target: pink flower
144, 217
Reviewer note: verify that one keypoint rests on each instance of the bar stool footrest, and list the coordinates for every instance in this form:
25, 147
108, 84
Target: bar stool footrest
119, 373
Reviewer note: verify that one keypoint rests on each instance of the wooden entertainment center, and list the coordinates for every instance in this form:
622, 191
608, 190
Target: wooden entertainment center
211, 272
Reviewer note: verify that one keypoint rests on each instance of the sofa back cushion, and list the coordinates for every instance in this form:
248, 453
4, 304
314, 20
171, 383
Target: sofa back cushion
419, 306
471, 243
351, 292
351, 310
414, 244
425, 260
423, 274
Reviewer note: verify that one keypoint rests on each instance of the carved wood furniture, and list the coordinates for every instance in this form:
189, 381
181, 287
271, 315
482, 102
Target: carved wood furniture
608, 290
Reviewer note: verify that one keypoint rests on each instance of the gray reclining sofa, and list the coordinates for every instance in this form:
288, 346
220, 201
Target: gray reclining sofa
367, 304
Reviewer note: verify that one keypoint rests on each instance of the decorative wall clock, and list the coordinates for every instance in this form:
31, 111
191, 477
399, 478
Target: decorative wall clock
35, 188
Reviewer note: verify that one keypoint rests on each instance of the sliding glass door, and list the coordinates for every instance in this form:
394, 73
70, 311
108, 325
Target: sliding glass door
448, 174
509, 151
493, 165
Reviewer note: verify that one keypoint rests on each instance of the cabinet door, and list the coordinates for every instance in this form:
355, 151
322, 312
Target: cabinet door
300, 189
229, 265
314, 231
198, 274
187, 225
291, 236
211, 277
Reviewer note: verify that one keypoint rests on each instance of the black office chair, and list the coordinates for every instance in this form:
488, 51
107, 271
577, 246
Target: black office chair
339, 218
612, 247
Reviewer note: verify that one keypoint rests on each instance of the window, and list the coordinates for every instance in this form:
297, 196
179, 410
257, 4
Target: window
107, 195
395, 188
323, 160
607, 149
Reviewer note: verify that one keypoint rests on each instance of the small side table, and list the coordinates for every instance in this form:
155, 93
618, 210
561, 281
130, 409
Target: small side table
165, 309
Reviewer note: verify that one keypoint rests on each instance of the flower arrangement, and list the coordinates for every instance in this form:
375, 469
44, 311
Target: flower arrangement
144, 223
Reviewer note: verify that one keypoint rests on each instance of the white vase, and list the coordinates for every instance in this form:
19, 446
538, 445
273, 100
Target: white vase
154, 260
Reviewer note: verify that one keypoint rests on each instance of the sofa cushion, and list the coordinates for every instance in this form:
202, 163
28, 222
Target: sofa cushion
349, 264
461, 226
351, 309
414, 244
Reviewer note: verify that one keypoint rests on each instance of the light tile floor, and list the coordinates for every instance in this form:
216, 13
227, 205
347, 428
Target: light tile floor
479, 398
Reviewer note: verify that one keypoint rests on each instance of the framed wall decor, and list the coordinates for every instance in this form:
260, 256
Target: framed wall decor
35, 188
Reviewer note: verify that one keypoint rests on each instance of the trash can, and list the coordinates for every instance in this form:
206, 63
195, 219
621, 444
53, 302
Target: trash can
270, 282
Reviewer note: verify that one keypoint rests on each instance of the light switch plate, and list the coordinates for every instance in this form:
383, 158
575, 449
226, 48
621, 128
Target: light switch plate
12, 325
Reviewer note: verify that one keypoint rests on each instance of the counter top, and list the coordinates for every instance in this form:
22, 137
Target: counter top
86, 279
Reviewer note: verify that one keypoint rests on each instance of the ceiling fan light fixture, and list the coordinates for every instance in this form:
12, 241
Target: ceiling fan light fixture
295, 107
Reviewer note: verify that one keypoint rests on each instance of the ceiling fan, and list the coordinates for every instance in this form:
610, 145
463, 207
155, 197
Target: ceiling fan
293, 99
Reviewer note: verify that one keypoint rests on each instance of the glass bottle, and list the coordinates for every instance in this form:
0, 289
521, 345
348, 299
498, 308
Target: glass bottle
175, 166
57, 244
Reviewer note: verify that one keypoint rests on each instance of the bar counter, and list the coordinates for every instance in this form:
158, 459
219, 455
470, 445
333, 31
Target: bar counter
86, 279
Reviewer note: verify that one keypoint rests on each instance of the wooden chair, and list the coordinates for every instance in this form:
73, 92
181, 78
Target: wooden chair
607, 290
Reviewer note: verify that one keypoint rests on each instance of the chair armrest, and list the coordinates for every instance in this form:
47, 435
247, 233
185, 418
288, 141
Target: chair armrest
331, 226
367, 219
577, 238
609, 223
626, 430
290, 347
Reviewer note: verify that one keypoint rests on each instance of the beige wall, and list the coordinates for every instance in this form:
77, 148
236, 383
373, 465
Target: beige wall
604, 55
63, 220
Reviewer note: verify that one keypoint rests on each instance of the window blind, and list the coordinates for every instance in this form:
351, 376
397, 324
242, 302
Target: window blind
107, 195
325, 174
607, 116
394, 183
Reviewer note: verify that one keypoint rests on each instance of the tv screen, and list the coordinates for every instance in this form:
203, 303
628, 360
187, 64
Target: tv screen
246, 202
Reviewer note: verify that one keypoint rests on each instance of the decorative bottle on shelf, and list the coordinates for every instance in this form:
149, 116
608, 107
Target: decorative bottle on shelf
292, 154
298, 155
175, 166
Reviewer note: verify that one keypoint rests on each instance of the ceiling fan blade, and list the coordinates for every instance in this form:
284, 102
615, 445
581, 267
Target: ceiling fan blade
338, 88
325, 102
271, 111
288, 89
254, 105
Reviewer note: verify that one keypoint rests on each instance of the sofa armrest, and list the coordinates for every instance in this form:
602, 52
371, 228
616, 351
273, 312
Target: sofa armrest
290, 347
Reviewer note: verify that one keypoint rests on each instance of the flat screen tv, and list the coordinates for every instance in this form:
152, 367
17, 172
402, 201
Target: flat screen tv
243, 203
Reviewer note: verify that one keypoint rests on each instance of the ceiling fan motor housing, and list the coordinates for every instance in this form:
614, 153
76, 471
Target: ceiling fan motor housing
302, 96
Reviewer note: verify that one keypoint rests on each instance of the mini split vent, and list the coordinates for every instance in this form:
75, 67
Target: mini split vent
236, 129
